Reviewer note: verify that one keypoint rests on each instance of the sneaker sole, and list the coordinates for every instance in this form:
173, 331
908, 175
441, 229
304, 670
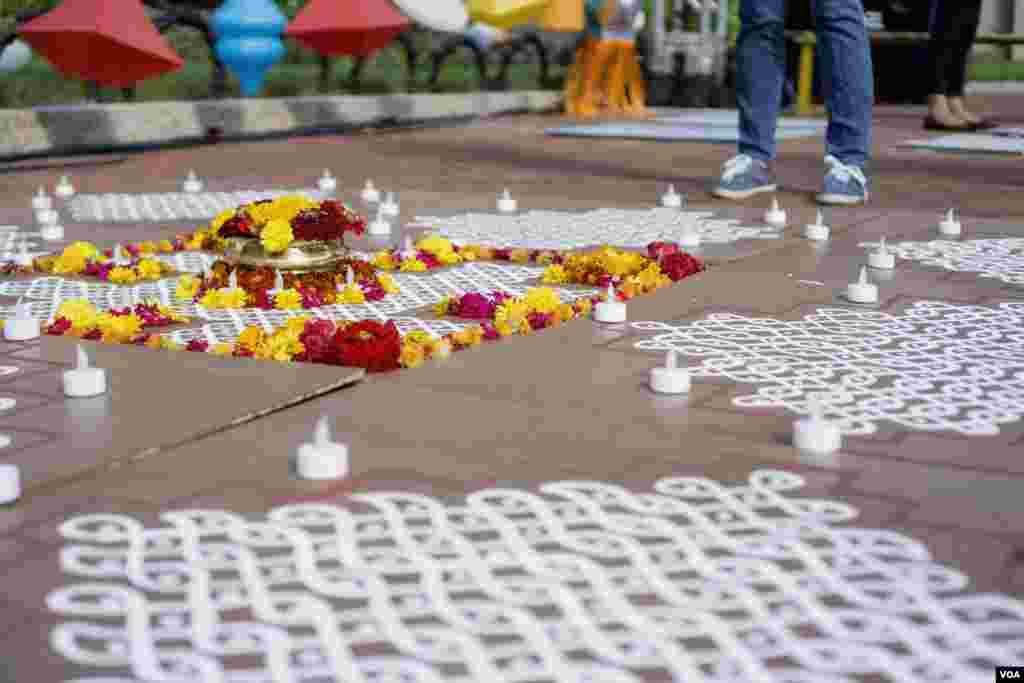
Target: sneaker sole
842, 199
742, 194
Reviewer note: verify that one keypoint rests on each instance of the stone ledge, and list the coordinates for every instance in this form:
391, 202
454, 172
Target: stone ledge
79, 128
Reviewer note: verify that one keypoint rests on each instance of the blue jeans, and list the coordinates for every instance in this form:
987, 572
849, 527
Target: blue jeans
845, 61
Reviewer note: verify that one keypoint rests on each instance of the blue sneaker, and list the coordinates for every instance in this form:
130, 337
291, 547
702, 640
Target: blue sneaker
844, 184
742, 177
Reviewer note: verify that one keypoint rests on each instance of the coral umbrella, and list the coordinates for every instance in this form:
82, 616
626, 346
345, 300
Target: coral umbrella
565, 16
110, 42
356, 27
506, 13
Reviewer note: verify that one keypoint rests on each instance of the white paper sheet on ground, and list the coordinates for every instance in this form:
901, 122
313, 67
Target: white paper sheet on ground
723, 117
1005, 132
971, 142
447, 16
663, 132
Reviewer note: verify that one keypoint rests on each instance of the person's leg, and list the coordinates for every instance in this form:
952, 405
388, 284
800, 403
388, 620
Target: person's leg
964, 28
942, 61
848, 83
760, 70
760, 67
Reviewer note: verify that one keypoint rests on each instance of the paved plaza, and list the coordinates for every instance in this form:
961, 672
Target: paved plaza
528, 509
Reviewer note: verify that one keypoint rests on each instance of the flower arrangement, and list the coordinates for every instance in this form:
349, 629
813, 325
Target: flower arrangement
503, 315
368, 344
631, 272
255, 287
279, 222
433, 252
79, 318
86, 259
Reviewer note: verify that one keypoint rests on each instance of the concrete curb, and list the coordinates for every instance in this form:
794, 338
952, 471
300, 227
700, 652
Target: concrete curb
83, 128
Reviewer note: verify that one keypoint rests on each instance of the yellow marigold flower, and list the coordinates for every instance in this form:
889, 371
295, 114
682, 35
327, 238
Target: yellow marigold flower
80, 313
566, 312
87, 250
545, 258
412, 265
418, 337
630, 289
504, 329
150, 269
223, 349
449, 259
524, 327
542, 299
412, 355
352, 294
288, 299
441, 350
519, 255
147, 247
387, 283
441, 307
436, 245
251, 337
468, 256
555, 275
210, 299
511, 311
583, 306
119, 328
470, 336
154, 342
122, 276
195, 241
383, 260
221, 219
295, 326
279, 347
234, 298
166, 246
69, 263
276, 236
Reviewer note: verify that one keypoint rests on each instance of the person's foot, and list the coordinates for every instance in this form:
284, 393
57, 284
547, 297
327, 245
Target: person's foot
844, 184
958, 107
942, 117
742, 177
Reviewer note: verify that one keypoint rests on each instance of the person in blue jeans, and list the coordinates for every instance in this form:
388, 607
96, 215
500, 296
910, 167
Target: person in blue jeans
845, 59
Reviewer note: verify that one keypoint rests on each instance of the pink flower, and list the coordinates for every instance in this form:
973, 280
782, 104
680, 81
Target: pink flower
429, 259
538, 321
658, 250
197, 345
490, 332
476, 306
311, 297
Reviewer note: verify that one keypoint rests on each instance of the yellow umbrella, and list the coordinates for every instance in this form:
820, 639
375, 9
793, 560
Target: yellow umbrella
506, 13
565, 16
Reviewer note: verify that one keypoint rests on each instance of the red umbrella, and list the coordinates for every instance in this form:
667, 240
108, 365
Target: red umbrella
111, 42
356, 27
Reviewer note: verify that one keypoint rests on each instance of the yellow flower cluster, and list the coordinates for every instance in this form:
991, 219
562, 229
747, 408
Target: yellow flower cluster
74, 258
352, 294
418, 346
281, 345
187, 287
443, 250
116, 329
387, 283
276, 236
225, 298
160, 342
587, 269
281, 209
288, 299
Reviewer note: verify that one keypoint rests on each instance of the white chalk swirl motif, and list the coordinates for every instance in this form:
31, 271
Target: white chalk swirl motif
583, 581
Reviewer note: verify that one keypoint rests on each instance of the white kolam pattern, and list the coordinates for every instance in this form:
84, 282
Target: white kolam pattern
226, 331
44, 295
583, 581
170, 206
937, 366
999, 259
573, 230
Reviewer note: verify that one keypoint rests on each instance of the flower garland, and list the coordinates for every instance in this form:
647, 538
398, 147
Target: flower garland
504, 315
279, 222
368, 344
301, 290
433, 252
79, 318
631, 272
86, 259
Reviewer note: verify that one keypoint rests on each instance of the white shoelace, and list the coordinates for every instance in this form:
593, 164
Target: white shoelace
843, 172
735, 166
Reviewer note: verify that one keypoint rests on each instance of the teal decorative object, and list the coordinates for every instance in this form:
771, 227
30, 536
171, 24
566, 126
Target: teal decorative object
249, 40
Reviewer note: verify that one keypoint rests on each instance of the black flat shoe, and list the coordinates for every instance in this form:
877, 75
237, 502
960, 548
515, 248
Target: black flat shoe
932, 124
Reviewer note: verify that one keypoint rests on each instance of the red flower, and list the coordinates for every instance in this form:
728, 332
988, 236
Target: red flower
197, 345
329, 221
95, 334
316, 337
538, 321
679, 265
658, 250
369, 344
59, 327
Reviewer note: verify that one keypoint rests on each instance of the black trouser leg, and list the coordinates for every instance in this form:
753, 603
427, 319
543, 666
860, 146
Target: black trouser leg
953, 32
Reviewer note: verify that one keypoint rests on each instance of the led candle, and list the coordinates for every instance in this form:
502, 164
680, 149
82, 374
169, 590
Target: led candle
370, 193
379, 226
815, 434
192, 184
950, 225
22, 327
84, 381
611, 310
23, 258
506, 204
42, 201
323, 458
775, 216
327, 182
862, 291
670, 379
64, 189
390, 206
10, 484
672, 199
817, 231
350, 277
233, 280
881, 258
51, 233
47, 217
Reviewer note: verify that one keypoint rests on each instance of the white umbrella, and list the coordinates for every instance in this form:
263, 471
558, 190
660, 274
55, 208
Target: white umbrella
15, 56
448, 16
